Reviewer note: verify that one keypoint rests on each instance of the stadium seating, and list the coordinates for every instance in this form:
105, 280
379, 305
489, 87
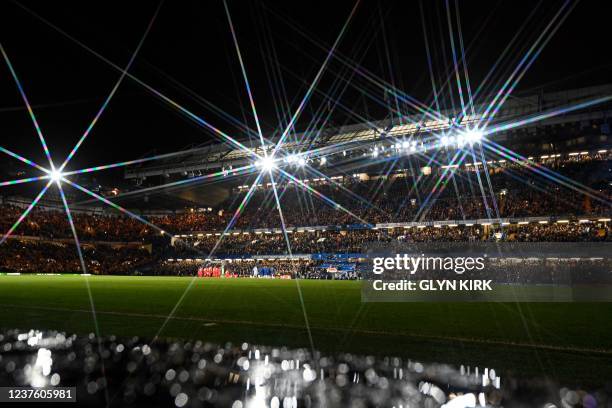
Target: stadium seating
364, 208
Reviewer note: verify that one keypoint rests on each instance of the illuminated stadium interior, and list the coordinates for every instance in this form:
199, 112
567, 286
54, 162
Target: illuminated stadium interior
182, 250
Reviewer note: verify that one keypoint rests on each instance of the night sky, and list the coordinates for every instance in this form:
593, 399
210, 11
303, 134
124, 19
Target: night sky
190, 43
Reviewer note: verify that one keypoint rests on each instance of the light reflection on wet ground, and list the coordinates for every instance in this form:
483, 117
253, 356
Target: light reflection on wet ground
132, 372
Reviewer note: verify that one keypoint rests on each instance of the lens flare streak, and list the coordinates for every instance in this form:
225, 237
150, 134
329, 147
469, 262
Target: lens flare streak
84, 269
229, 226
526, 62
24, 180
324, 198
115, 206
23, 159
112, 93
26, 212
27, 103
238, 171
315, 82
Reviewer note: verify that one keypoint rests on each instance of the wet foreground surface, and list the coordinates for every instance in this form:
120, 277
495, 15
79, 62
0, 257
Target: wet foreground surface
141, 372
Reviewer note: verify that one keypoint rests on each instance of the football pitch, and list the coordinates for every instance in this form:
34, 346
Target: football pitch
568, 341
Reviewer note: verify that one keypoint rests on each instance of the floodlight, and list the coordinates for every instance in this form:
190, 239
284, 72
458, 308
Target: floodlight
474, 136
266, 163
56, 175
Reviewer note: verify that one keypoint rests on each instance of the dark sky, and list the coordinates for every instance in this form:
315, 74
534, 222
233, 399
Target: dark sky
283, 46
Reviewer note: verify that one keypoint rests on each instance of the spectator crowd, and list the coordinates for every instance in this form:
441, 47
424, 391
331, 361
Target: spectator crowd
55, 257
515, 193
357, 241
502, 192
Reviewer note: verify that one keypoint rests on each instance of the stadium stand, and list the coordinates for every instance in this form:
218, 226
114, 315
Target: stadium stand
436, 203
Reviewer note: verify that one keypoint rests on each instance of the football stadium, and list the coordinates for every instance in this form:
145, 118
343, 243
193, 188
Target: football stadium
270, 204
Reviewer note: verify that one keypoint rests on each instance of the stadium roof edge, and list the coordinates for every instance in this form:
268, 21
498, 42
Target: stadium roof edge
219, 155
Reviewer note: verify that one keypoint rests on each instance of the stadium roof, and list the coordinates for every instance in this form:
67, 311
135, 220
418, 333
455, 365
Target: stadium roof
214, 156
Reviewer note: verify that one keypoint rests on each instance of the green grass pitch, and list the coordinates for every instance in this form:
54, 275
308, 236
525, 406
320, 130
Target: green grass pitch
568, 341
